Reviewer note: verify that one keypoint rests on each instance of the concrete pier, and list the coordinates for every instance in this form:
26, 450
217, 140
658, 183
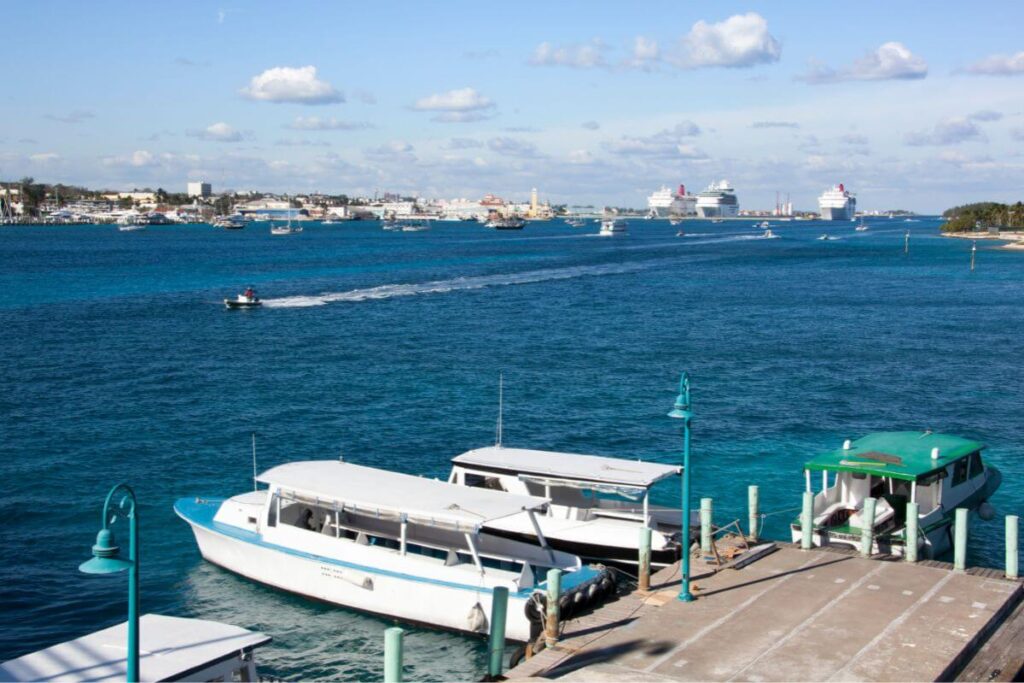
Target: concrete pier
795, 615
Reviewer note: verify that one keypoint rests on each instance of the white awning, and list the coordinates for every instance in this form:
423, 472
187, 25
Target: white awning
568, 466
422, 500
170, 648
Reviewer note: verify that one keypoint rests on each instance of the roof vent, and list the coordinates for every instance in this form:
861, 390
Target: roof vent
846, 445
935, 453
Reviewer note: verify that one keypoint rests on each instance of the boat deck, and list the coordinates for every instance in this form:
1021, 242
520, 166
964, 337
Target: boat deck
791, 616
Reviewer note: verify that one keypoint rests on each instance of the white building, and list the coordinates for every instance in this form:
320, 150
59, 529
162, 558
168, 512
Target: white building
199, 189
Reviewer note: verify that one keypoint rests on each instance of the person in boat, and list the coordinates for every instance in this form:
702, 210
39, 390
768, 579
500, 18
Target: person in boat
250, 293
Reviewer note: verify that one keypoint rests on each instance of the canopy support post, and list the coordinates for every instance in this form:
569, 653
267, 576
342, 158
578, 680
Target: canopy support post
913, 491
824, 481
540, 535
472, 549
807, 477
404, 534
647, 509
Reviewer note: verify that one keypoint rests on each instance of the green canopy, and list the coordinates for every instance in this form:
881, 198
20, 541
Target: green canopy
899, 455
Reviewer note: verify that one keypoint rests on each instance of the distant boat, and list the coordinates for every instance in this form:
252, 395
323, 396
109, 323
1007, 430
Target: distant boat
228, 223
507, 223
333, 219
763, 224
131, 227
681, 233
862, 227
613, 227
287, 229
825, 237
246, 299
575, 222
414, 226
769, 235
675, 221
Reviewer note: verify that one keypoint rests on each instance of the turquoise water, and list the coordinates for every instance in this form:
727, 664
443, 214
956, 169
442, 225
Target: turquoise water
119, 362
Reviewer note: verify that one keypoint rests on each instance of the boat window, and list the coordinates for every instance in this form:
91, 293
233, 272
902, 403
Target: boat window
480, 481
959, 471
975, 464
858, 475
272, 514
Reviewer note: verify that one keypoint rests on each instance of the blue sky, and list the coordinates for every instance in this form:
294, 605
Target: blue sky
912, 105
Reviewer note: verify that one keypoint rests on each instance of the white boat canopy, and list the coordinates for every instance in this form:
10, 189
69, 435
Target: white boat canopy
569, 469
170, 648
420, 500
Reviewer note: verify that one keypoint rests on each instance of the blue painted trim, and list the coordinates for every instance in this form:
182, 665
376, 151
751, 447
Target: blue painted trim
202, 513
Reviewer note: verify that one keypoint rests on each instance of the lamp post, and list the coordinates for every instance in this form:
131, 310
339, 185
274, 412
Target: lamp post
106, 560
681, 410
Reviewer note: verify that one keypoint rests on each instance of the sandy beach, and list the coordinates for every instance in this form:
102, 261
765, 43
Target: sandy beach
1014, 240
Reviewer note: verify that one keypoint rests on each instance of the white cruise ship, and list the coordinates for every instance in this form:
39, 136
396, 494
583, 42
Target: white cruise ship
665, 204
837, 204
718, 201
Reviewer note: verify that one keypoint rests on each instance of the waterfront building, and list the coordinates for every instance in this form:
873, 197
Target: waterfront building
199, 189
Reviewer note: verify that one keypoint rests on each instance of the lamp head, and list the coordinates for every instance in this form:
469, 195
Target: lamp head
106, 556
681, 409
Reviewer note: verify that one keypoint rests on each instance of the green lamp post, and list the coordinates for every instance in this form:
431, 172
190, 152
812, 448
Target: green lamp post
681, 411
106, 560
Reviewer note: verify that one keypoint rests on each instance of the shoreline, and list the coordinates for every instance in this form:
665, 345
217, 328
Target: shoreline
1014, 240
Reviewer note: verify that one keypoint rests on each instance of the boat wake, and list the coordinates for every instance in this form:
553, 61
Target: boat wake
391, 291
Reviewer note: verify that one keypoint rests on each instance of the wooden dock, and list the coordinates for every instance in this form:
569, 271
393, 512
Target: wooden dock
799, 616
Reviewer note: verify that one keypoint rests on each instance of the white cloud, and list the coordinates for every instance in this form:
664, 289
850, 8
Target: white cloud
289, 84
590, 125
646, 54
464, 143
775, 124
581, 156
986, 115
75, 116
1017, 134
578, 56
948, 132
513, 147
742, 40
392, 153
668, 144
365, 96
854, 139
217, 132
461, 99
318, 123
891, 60
999, 65
461, 105
43, 157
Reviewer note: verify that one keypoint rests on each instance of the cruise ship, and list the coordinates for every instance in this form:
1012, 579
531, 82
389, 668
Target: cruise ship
837, 204
665, 204
718, 201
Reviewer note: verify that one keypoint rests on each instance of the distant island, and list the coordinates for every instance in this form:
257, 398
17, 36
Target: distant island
986, 220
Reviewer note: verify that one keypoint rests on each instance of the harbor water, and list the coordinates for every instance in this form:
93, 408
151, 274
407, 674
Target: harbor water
119, 362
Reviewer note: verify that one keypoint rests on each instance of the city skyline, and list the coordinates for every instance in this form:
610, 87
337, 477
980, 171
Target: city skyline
593, 104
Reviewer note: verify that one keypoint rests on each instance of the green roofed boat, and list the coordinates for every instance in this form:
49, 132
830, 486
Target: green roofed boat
938, 472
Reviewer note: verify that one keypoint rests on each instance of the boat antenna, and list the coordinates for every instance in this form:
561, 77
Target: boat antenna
254, 461
501, 405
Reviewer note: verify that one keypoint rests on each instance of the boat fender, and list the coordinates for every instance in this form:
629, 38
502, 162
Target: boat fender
476, 619
986, 511
592, 590
577, 597
517, 656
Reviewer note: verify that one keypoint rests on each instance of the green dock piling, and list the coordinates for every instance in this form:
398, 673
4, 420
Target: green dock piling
806, 521
753, 513
1011, 546
706, 512
644, 560
910, 536
393, 655
496, 643
867, 528
554, 592
960, 540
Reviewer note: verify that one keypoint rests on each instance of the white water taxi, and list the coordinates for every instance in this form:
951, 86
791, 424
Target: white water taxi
939, 472
406, 547
612, 227
598, 504
246, 299
170, 649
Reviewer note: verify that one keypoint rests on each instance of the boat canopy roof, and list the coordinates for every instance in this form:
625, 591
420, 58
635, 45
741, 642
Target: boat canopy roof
422, 500
899, 455
170, 648
571, 467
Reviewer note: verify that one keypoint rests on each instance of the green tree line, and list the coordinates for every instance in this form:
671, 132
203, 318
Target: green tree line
982, 215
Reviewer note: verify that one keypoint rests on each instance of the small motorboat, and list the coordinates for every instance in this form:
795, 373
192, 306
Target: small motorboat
285, 230
681, 233
763, 224
507, 223
825, 237
229, 223
862, 227
246, 299
769, 235
613, 227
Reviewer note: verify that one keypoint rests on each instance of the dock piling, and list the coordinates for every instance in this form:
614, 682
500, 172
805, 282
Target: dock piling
496, 642
393, 655
906, 243
706, 512
752, 506
643, 567
974, 250
554, 592
806, 520
867, 528
960, 540
910, 536
1011, 546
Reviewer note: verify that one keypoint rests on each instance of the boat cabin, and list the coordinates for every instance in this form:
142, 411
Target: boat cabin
597, 503
170, 649
938, 472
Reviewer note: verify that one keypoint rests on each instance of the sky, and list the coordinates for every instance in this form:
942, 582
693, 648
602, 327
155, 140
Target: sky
912, 105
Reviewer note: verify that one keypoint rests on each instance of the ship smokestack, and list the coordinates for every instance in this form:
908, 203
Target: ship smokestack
841, 188
682, 190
